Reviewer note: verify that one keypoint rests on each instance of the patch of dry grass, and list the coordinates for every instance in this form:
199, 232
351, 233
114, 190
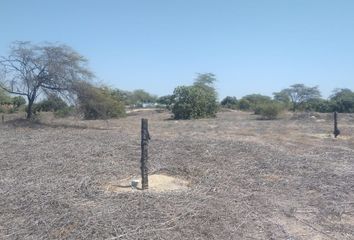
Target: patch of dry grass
249, 179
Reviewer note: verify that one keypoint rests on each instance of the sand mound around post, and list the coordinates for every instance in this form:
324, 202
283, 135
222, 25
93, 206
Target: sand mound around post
157, 183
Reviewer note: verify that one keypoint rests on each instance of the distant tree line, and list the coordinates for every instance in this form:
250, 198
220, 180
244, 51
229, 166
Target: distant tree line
50, 77
56, 78
297, 97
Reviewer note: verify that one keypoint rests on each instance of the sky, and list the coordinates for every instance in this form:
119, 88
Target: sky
252, 46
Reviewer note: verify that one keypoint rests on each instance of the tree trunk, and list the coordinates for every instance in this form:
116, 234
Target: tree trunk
29, 109
294, 107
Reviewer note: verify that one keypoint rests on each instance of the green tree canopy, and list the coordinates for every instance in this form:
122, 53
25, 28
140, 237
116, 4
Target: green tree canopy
343, 100
299, 94
18, 101
229, 102
140, 96
196, 101
166, 100
283, 98
254, 100
98, 102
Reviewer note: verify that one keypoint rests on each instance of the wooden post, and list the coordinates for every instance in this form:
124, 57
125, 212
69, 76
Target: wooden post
145, 137
336, 130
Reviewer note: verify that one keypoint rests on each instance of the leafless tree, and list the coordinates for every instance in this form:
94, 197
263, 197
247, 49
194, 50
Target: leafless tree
31, 70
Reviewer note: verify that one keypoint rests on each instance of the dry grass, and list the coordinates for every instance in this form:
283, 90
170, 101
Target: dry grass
249, 179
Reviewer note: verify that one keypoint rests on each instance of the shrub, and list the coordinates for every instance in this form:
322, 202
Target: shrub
5, 101
269, 111
343, 100
98, 102
4, 97
197, 101
244, 104
139, 97
65, 112
51, 104
229, 102
192, 102
18, 101
165, 101
319, 105
255, 100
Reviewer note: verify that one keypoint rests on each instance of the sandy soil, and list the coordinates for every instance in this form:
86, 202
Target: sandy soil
157, 183
243, 178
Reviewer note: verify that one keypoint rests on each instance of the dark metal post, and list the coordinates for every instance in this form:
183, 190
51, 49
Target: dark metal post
145, 137
2, 118
336, 130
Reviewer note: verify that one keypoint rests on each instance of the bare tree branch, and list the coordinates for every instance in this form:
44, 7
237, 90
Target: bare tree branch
32, 69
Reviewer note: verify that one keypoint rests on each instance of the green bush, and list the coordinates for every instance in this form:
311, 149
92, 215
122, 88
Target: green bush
343, 100
10, 104
165, 101
64, 112
319, 105
229, 102
255, 100
269, 111
51, 104
4, 97
197, 101
18, 101
5, 100
98, 102
244, 104
193, 102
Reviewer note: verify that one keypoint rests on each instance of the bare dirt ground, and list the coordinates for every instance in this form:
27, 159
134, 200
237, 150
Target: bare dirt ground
248, 179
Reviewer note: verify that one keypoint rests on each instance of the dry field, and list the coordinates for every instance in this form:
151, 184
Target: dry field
247, 179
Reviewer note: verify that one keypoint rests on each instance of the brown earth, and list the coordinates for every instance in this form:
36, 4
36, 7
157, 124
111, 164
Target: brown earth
241, 178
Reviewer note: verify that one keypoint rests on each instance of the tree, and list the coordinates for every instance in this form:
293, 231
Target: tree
139, 97
205, 81
269, 110
196, 101
244, 104
31, 70
255, 100
343, 100
229, 102
299, 94
98, 102
166, 100
318, 105
283, 98
53, 103
121, 95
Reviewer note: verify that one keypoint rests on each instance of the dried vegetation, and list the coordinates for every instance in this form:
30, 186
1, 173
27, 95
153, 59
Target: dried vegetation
249, 179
